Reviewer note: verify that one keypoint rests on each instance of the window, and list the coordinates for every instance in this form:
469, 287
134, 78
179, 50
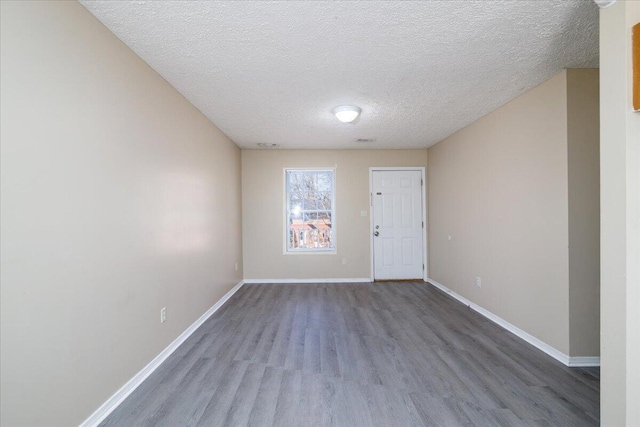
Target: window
310, 210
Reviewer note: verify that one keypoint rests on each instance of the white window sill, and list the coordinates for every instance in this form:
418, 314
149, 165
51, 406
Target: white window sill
311, 252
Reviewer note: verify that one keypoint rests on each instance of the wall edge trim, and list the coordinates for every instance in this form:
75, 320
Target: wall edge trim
119, 396
525, 336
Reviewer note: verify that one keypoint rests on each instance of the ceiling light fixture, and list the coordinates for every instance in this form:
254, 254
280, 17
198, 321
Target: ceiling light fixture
346, 113
604, 3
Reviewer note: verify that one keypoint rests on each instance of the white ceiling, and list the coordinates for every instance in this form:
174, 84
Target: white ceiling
270, 72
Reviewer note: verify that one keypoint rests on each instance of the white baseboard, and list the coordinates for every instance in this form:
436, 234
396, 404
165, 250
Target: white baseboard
541, 345
350, 280
112, 403
584, 362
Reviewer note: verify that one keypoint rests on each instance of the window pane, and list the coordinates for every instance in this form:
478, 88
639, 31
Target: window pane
295, 179
310, 218
305, 230
323, 200
310, 202
295, 207
325, 218
294, 238
323, 225
325, 181
301, 182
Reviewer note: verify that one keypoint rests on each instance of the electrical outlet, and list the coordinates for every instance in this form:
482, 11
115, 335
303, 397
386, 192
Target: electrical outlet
344, 261
479, 282
163, 314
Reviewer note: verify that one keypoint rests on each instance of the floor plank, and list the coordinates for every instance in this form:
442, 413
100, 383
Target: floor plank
381, 354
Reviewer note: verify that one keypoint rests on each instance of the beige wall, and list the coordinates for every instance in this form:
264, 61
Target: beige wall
518, 191
499, 188
620, 222
118, 198
583, 142
263, 210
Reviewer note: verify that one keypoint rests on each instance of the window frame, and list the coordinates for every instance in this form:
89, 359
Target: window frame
287, 208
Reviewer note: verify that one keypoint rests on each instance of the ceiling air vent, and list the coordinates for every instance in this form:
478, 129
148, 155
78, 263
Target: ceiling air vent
266, 145
365, 140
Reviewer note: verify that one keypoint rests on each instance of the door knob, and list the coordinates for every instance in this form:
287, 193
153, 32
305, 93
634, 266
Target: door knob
377, 233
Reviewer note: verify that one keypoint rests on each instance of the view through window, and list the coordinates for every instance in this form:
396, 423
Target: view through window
310, 210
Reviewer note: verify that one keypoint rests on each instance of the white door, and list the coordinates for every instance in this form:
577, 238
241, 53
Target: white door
397, 225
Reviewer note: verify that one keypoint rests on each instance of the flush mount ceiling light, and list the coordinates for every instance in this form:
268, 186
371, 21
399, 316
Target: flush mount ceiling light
346, 113
604, 3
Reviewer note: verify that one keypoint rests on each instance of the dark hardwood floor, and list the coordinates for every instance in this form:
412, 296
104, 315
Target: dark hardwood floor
383, 354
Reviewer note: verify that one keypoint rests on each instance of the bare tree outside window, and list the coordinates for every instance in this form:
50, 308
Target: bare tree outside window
310, 209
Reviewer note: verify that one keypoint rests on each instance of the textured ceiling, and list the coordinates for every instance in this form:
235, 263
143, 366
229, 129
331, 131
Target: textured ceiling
270, 72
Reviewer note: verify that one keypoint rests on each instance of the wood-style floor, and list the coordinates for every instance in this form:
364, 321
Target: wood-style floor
383, 354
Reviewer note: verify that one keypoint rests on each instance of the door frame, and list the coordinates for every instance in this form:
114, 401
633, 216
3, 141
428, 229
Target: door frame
425, 258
